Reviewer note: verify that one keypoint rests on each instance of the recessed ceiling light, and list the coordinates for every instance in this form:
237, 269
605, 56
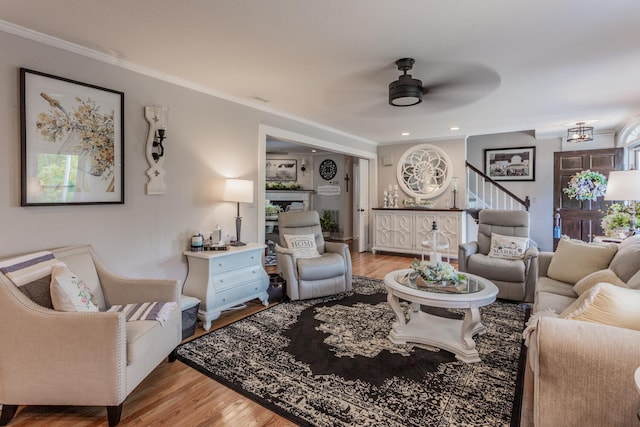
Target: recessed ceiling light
454, 128
405, 134
314, 151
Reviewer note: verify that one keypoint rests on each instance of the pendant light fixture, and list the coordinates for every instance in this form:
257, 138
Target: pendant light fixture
580, 133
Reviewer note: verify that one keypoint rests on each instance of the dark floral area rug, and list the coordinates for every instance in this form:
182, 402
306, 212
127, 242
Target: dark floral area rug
328, 362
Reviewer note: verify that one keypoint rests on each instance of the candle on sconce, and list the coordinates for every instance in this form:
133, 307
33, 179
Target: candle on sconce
390, 188
395, 187
455, 183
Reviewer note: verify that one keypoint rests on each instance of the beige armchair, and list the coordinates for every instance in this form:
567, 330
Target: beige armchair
327, 274
82, 358
515, 278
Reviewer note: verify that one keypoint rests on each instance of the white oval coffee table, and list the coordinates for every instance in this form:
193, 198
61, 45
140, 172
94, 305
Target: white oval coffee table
453, 335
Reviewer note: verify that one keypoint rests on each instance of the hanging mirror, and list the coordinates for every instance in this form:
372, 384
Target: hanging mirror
424, 171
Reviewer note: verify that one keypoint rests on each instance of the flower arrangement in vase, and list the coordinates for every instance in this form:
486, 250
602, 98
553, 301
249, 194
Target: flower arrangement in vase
442, 273
617, 219
586, 185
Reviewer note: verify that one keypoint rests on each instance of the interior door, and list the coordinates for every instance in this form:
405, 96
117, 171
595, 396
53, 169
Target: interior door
361, 205
581, 219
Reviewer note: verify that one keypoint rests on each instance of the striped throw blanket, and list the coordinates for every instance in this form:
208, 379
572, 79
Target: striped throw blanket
159, 311
28, 268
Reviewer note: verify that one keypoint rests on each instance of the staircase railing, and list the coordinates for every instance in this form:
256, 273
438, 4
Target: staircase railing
485, 193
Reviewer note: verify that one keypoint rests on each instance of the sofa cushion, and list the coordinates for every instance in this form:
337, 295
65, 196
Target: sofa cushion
548, 301
39, 291
634, 282
506, 270
607, 304
69, 293
547, 284
326, 266
145, 335
597, 277
508, 247
574, 259
82, 264
626, 262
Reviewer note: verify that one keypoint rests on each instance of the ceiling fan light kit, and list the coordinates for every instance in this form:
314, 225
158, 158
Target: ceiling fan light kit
580, 133
406, 91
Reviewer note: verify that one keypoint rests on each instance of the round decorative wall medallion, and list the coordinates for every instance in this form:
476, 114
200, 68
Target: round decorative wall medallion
424, 171
328, 169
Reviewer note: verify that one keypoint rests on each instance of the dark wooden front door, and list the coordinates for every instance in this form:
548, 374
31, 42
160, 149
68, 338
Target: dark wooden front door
581, 219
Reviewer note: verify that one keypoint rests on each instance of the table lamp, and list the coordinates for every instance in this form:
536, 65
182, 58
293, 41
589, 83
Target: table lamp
625, 186
238, 191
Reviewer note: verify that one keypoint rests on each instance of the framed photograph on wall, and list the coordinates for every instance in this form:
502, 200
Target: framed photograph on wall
72, 142
510, 164
282, 170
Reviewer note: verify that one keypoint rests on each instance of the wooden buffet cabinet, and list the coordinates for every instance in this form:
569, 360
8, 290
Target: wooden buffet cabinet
403, 229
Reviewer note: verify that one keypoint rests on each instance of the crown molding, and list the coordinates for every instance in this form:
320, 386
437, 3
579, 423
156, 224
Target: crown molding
56, 42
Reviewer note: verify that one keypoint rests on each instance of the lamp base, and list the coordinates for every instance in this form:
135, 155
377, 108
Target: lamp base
238, 226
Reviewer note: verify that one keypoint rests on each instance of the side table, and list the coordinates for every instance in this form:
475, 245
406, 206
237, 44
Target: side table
223, 279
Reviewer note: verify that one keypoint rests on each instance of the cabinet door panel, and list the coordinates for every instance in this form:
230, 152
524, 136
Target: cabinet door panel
403, 231
383, 229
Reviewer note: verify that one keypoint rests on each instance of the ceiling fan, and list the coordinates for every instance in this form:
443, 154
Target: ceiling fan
406, 91
459, 85
443, 86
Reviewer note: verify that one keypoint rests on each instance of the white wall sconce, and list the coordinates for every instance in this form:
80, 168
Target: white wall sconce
157, 118
304, 164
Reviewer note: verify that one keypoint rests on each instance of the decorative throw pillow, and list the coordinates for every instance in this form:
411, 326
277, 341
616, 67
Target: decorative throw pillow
634, 282
596, 277
302, 245
607, 304
508, 247
69, 293
574, 259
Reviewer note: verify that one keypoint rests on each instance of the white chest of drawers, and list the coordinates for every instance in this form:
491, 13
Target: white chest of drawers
223, 279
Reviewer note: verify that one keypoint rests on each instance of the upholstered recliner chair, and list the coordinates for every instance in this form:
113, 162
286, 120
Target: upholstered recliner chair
310, 275
513, 270
76, 358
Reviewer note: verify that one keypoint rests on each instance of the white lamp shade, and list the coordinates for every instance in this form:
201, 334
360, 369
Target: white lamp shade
238, 190
623, 185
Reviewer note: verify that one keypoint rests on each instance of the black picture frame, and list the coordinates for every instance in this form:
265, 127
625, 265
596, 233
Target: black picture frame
282, 170
510, 164
72, 142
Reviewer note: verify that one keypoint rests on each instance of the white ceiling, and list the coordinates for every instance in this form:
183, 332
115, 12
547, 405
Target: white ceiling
519, 64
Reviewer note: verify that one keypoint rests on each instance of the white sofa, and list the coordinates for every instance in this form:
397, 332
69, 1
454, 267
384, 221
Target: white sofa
53, 357
580, 373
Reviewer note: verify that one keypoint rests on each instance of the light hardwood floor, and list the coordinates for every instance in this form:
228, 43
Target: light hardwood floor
177, 395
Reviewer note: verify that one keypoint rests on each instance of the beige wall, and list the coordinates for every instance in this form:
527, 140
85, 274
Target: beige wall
208, 139
539, 191
388, 174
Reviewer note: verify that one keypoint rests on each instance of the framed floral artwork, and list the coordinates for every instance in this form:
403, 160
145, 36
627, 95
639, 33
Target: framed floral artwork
510, 164
72, 142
